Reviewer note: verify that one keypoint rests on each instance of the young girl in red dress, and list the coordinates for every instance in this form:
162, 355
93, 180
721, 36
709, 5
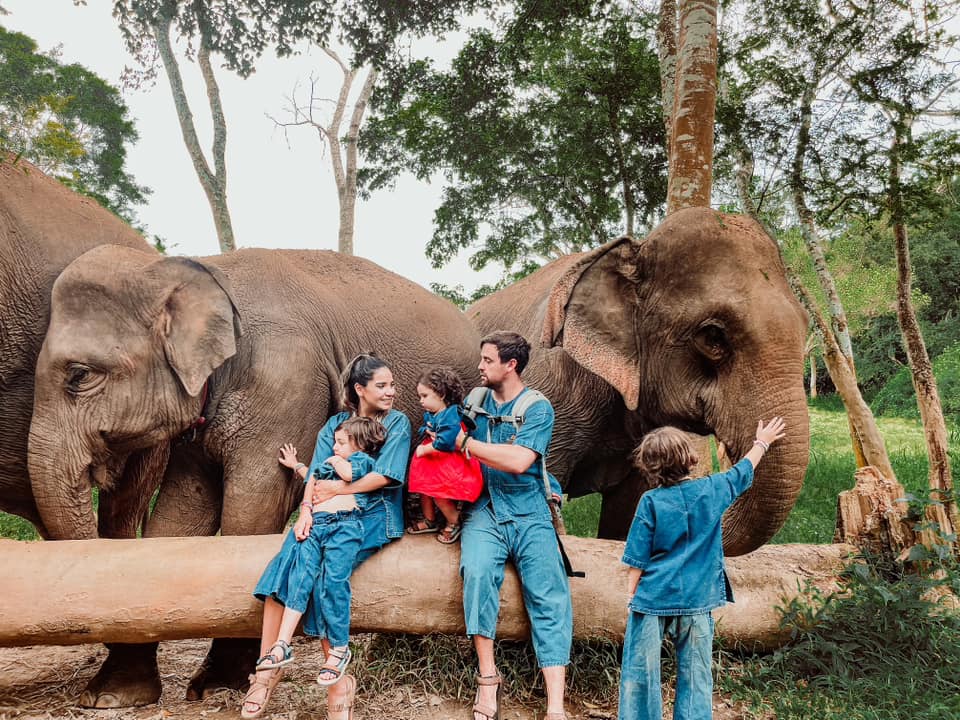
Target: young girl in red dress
438, 472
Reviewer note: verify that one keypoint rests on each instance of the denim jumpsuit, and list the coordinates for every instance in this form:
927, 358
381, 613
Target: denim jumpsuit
511, 521
324, 561
379, 519
676, 540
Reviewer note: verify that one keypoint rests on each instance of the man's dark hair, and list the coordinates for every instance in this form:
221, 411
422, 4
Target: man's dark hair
510, 346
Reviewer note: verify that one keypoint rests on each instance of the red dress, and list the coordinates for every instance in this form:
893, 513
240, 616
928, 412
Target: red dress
446, 475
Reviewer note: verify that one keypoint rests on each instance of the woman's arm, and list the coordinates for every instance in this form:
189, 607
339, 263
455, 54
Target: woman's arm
368, 483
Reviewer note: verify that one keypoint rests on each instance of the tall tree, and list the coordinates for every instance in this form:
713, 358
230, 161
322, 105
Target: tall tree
239, 32
343, 154
548, 133
694, 94
68, 121
906, 80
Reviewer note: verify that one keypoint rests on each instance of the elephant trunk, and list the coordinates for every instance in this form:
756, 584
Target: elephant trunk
760, 512
62, 480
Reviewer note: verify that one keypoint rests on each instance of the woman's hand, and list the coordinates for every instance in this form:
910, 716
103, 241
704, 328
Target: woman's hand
288, 456
301, 528
326, 489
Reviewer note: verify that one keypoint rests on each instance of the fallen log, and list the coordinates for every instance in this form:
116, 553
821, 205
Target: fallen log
82, 591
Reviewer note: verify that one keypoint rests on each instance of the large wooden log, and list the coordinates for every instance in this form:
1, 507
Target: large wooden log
81, 591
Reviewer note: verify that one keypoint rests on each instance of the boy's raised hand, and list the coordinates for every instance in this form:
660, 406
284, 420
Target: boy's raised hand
773, 431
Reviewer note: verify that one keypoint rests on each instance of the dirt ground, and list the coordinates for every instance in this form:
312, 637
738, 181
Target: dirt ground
44, 682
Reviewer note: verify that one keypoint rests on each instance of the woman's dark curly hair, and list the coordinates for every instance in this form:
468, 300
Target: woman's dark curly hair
665, 457
445, 382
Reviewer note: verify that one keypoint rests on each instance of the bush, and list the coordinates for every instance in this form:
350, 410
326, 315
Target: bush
897, 396
877, 648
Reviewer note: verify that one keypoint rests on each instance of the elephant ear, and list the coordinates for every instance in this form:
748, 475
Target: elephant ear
199, 322
591, 314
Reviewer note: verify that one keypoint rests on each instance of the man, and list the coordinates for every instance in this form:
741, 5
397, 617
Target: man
511, 521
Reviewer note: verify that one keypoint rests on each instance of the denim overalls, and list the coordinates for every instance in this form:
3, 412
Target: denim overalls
511, 521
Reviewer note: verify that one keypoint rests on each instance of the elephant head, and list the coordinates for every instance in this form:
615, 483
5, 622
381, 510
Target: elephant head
695, 326
131, 343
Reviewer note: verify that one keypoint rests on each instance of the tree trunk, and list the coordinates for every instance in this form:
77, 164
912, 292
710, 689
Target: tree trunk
921, 369
858, 412
808, 228
690, 175
214, 183
667, 52
73, 592
348, 197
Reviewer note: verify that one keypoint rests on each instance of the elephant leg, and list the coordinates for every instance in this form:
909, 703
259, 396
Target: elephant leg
257, 499
190, 503
128, 677
618, 507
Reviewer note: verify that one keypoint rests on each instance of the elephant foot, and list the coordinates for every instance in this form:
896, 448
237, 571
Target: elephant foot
227, 665
128, 677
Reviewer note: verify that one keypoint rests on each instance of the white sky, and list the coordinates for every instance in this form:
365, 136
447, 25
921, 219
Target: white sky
279, 196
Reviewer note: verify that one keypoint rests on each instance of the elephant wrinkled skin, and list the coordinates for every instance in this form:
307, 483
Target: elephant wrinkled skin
693, 326
253, 342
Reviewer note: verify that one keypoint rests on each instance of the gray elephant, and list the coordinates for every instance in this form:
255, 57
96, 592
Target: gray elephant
43, 226
144, 366
693, 326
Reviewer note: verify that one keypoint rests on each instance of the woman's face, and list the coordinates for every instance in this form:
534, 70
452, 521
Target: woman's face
378, 394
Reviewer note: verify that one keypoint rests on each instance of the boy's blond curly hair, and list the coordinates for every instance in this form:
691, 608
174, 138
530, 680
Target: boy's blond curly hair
665, 457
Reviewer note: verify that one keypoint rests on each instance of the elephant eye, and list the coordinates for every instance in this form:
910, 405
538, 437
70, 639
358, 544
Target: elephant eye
711, 341
82, 378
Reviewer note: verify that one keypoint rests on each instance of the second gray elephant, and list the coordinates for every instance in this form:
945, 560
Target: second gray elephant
140, 348
693, 326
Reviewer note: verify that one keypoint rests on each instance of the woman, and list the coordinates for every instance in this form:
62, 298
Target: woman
368, 391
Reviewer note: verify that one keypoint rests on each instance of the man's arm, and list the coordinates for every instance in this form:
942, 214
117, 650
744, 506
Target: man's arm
514, 459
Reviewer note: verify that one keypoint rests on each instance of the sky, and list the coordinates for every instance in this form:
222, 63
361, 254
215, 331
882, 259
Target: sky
280, 186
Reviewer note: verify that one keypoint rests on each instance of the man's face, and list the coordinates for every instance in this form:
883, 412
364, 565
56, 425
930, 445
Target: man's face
492, 371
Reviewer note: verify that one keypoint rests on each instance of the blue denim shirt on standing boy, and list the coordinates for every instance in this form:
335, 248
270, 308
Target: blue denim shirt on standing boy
676, 540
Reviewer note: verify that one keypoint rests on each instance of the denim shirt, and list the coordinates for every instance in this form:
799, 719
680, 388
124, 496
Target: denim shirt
676, 540
446, 425
391, 462
516, 495
360, 464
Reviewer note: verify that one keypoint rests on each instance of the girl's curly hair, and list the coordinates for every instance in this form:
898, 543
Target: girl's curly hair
445, 382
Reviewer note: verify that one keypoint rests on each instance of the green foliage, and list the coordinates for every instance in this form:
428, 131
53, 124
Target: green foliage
880, 647
68, 121
544, 133
897, 397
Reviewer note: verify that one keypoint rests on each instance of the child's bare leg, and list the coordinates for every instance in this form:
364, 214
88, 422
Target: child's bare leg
426, 506
449, 510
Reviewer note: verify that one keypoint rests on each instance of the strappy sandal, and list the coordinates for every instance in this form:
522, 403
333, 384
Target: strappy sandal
422, 527
270, 662
342, 658
489, 713
450, 534
347, 704
266, 687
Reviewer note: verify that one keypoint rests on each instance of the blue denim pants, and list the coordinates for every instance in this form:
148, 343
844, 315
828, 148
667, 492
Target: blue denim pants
531, 544
640, 697
317, 569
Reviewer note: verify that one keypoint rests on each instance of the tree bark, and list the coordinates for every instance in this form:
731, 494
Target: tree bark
667, 52
214, 182
921, 369
690, 175
76, 591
